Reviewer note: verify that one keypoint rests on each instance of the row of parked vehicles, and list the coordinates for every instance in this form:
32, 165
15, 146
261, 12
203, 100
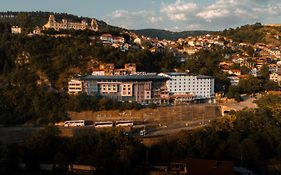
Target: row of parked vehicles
99, 124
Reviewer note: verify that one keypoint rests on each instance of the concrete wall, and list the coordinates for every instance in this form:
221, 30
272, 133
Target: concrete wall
166, 114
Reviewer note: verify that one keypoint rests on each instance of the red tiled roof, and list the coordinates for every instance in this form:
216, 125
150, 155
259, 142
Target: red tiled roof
106, 35
235, 70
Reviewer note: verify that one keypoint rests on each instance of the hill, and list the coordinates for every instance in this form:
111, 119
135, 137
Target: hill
29, 20
255, 33
165, 34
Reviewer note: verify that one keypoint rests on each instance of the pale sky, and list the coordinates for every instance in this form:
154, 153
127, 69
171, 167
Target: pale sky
175, 15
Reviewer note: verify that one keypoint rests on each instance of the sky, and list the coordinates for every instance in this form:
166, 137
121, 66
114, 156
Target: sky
174, 15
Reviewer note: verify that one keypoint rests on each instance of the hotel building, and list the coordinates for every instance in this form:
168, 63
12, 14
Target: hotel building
149, 88
200, 87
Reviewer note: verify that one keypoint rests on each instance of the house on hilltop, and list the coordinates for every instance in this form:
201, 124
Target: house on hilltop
65, 24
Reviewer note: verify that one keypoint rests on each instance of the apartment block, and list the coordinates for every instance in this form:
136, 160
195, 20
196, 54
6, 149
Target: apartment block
131, 88
200, 87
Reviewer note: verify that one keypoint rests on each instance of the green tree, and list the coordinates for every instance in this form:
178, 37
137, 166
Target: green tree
234, 92
41, 147
264, 71
270, 85
250, 85
268, 100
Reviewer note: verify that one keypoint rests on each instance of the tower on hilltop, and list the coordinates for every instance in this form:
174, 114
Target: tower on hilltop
52, 19
94, 25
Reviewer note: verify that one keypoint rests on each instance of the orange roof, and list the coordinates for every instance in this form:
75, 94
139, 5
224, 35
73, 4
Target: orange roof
235, 70
106, 35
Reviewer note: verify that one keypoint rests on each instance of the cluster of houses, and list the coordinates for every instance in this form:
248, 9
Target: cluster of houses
254, 65
263, 54
128, 85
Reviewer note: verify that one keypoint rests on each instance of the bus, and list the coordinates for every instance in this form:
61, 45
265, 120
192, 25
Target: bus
106, 124
124, 123
74, 123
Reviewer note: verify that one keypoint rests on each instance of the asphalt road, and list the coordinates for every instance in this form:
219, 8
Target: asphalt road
18, 134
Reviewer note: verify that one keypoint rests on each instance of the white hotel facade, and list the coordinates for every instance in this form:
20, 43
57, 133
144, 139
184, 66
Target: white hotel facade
200, 86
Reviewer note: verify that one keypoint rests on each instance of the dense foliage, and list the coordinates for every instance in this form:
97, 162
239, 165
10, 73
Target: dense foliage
108, 151
250, 138
249, 86
255, 33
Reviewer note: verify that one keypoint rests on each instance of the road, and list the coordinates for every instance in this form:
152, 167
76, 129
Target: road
164, 130
18, 134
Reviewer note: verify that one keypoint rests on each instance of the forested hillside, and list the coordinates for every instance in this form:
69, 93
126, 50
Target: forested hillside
255, 33
164, 34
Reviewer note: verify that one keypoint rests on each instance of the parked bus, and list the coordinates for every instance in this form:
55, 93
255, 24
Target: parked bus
74, 123
103, 124
124, 123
